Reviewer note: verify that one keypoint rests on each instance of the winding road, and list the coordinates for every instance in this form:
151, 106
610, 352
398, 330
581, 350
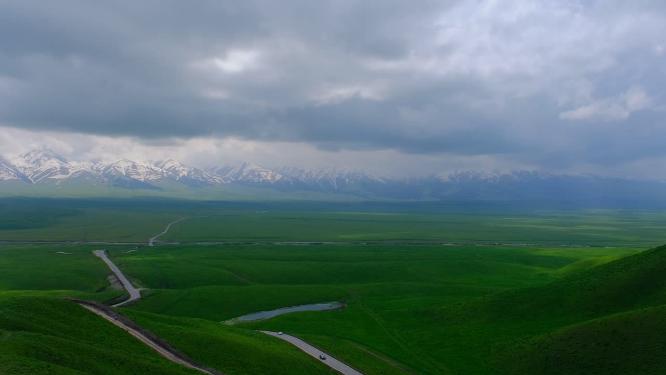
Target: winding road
169, 354
312, 351
151, 241
132, 328
134, 293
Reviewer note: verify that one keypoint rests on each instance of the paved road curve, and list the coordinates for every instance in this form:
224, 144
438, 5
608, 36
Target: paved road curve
151, 241
314, 352
134, 293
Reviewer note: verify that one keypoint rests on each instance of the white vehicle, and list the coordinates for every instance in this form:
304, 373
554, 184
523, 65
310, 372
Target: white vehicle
322, 357
280, 333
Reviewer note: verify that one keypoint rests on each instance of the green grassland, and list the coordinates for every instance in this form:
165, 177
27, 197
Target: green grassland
136, 220
48, 271
221, 282
579, 227
432, 289
583, 322
422, 309
232, 350
391, 291
626, 343
65, 220
41, 332
47, 335
42, 335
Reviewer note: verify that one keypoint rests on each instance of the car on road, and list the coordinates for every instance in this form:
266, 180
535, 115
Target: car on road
322, 357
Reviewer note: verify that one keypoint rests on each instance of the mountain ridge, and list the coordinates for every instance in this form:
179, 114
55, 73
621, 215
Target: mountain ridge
52, 172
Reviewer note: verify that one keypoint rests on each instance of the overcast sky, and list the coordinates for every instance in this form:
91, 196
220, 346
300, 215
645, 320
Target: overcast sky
394, 87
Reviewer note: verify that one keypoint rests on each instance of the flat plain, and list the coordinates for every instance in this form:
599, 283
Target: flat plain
136, 220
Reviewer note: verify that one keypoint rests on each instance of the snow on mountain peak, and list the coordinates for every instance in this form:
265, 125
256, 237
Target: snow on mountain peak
248, 172
173, 167
140, 171
41, 164
9, 172
45, 165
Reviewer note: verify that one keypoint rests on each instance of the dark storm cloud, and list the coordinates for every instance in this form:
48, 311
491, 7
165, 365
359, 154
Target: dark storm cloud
553, 82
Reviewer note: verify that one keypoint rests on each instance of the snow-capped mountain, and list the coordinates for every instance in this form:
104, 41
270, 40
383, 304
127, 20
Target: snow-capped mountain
8, 172
247, 172
46, 168
38, 165
175, 170
140, 171
332, 179
42, 166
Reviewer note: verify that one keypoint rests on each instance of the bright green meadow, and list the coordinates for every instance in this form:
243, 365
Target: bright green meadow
428, 288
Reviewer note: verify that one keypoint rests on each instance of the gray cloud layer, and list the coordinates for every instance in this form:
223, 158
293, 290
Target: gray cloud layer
556, 83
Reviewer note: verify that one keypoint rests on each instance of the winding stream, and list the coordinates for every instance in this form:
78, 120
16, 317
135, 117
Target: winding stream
263, 315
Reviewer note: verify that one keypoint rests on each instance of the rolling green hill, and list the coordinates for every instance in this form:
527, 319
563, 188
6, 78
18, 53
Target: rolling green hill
43, 333
53, 336
621, 312
46, 335
395, 294
626, 343
609, 319
410, 308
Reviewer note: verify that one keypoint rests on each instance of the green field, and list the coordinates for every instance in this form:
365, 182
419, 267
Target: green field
389, 291
461, 223
426, 292
41, 332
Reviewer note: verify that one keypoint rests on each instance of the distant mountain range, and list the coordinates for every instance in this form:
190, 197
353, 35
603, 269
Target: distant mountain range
47, 167
43, 172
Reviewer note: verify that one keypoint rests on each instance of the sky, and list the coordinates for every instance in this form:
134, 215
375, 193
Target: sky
391, 87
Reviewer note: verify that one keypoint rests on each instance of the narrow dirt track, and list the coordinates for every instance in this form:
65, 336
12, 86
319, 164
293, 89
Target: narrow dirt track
151, 241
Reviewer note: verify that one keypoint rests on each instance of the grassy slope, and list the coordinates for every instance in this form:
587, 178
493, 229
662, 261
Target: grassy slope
622, 308
53, 336
390, 290
520, 329
40, 335
408, 306
223, 282
627, 343
41, 332
231, 350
